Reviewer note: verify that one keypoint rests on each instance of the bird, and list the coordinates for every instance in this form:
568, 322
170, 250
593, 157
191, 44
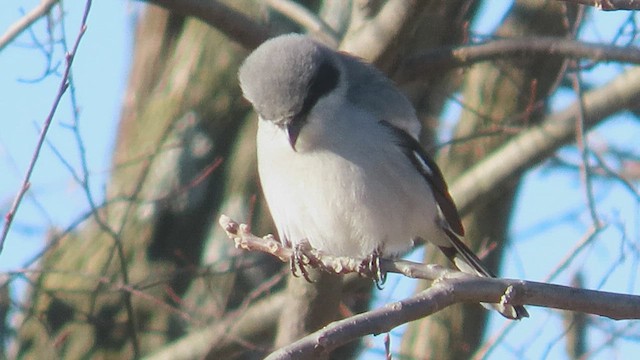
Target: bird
339, 160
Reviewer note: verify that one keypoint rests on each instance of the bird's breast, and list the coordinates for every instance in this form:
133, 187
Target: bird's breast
346, 201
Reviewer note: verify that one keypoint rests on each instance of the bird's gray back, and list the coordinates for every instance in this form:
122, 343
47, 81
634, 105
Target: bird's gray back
372, 90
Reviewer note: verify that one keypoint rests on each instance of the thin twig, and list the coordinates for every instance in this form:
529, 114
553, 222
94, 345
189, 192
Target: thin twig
532, 145
587, 239
619, 177
491, 343
26, 21
583, 147
608, 5
62, 88
85, 185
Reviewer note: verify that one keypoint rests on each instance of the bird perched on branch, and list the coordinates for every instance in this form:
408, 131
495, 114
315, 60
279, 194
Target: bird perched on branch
339, 160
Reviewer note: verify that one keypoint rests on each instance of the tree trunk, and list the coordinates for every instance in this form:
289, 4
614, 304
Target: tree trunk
129, 280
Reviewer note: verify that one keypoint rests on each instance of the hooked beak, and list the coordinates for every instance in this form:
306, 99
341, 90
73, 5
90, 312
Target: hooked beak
293, 131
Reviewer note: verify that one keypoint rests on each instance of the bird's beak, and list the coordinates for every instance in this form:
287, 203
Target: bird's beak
293, 131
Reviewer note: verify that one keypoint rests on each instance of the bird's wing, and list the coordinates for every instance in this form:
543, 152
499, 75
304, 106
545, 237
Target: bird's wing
459, 253
369, 89
432, 174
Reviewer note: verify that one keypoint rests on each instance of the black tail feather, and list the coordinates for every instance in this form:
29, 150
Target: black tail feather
466, 261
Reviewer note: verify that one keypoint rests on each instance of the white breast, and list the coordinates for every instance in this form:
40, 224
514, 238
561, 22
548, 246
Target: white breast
344, 192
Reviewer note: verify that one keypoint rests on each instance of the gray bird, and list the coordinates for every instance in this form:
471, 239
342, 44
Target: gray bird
339, 160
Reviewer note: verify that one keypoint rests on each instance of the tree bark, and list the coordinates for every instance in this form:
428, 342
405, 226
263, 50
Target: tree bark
129, 280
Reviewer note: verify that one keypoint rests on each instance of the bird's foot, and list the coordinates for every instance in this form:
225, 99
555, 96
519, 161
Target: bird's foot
373, 267
299, 261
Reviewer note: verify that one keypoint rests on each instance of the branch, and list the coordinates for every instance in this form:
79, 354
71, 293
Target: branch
223, 336
446, 58
62, 88
449, 287
31, 17
236, 25
461, 286
586, 174
444, 293
372, 39
538, 142
302, 16
609, 5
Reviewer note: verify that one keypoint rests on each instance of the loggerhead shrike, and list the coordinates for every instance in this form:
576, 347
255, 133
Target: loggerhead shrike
339, 160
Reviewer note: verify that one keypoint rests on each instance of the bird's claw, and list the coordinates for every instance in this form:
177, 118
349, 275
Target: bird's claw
379, 276
297, 262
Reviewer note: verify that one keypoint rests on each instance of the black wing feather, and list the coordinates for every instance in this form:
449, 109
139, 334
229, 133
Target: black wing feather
432, 174
458, 251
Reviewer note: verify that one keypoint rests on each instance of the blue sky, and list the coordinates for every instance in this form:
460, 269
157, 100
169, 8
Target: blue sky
541, 240
100, 72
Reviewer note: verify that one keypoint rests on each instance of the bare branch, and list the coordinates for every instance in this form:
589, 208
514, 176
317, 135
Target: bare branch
447, 58
222, 335
585, 168
244, 239
373, 38
538, 142
459, 288
62, 88
472, 288
608, 171
31, 17
237, 26
306, 19
609, 5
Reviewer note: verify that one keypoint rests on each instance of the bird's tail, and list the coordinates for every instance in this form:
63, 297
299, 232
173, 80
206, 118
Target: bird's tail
466, 261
